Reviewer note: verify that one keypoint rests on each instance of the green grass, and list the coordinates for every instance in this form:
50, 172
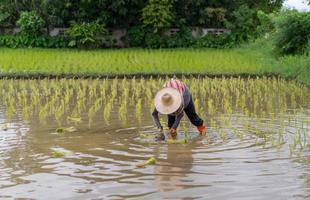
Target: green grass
291, 66
247, 60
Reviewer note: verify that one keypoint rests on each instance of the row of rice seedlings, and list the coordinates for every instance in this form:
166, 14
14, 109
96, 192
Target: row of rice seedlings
217, 100
224, 100
48, 61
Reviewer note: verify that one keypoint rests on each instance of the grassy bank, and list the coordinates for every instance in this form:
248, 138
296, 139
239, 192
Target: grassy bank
247, 60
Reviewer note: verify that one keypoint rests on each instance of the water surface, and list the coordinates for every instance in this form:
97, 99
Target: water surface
256, 147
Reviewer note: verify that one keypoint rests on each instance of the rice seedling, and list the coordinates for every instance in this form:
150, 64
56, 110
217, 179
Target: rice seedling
58, 154
146, 136
150, 161
187, 134
139, 110
74, 119
64, 130
178, 141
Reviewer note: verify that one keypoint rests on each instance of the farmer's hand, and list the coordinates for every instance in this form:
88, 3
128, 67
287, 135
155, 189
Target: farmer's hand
173, 133
160, 135
202, 130
160, 129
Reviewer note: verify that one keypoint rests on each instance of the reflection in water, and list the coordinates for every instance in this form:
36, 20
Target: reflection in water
252, 151
171, 171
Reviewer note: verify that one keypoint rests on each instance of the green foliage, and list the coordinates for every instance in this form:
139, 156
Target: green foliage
243, 23
288, 66
86, 34
297, 67
139, 36
32, 41
266, 23
181, 39
124, 14
158, 14
135, 36
9, 13
30, 23
292, 34
154, 41
216, 41
143, 19
146, 21
3, 18
267, 6
214, 17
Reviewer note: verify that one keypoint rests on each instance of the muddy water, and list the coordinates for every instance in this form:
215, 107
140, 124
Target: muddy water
249, 152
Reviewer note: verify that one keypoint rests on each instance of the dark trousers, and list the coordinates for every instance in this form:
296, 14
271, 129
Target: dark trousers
191, 114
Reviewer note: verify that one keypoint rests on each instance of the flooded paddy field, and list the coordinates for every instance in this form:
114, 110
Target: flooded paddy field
82, 139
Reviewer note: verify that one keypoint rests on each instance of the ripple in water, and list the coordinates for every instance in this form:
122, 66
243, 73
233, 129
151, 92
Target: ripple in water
246, 154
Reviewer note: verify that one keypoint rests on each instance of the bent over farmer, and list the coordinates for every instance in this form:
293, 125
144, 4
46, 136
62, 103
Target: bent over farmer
173, 100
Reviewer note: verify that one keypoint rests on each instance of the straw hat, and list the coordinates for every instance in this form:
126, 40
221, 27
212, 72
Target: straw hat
168, 100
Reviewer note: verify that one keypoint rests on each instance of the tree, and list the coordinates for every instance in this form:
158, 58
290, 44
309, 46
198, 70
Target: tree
86, 34
267, 6
158, 14
292, 34
214, 17
9, 12
47, 10
30, 23
243, 23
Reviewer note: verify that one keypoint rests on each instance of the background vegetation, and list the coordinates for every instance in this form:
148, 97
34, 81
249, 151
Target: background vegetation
125, 14
265, 39
146, 21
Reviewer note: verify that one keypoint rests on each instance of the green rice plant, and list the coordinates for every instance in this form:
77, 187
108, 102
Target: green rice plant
222, 135
65, 130
91, 114
35, 62
238, 133
211, 108
58, 154
107, 111
150, 161
179, 141
43, 113
122, 112
74, 119
187, 135
139, 110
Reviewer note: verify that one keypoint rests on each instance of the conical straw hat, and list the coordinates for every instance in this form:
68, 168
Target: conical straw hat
168, 100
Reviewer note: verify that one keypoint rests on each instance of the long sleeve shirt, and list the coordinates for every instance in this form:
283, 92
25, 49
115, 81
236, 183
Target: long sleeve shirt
176, 121
186, 99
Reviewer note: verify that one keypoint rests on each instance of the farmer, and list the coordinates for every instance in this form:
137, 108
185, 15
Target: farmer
172, 100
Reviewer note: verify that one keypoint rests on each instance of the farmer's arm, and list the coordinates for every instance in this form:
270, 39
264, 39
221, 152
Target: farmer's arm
177, 120
156, 119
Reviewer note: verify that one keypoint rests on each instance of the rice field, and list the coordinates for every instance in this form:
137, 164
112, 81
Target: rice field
253, 102
49, 62
93, 138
